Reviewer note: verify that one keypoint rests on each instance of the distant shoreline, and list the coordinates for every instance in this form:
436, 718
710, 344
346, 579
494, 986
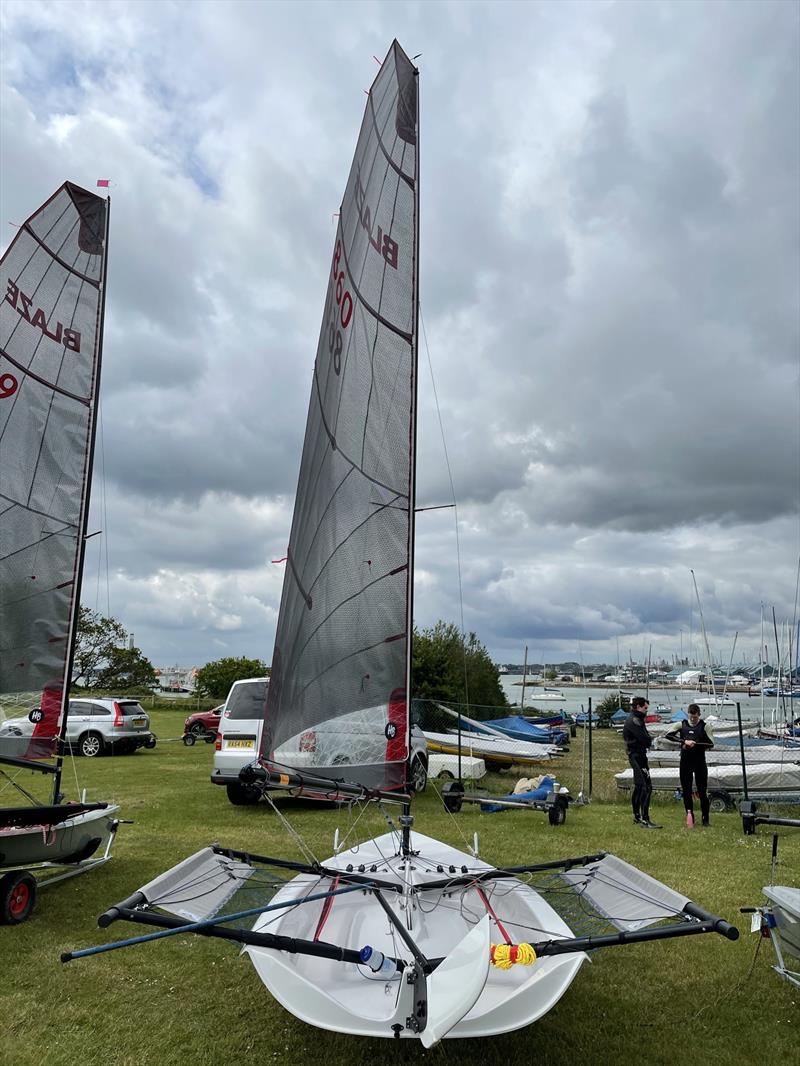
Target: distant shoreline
744, 689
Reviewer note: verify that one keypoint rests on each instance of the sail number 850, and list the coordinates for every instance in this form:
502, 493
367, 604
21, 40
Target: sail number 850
341, 313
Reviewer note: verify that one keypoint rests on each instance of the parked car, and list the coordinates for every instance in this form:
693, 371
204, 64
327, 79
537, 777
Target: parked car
353, 738
94, 726
203, 721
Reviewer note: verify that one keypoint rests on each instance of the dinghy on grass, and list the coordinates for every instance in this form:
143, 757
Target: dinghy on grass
401, 935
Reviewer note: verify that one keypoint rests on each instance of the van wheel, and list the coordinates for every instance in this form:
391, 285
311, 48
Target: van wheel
17, 897
419, 775
90, 745
243, 795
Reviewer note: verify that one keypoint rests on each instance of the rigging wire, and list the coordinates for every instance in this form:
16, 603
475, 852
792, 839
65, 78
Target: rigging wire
455, 503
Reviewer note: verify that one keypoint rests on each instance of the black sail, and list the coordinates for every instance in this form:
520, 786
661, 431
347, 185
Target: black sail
53, 276
340, 666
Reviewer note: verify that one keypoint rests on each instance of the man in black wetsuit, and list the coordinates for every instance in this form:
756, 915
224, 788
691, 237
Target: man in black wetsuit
696, 738
637, 741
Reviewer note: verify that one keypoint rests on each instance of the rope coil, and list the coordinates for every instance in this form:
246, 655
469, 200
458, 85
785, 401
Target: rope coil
504, 956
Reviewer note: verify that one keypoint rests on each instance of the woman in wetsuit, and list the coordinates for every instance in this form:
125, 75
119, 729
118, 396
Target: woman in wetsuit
637, 741
696, 738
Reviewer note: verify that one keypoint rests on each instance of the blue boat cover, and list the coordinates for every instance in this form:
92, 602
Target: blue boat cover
540, 793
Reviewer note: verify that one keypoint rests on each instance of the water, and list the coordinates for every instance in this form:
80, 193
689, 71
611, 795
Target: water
576, 698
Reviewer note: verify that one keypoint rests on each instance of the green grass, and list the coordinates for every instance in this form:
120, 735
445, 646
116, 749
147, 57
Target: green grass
187, 1000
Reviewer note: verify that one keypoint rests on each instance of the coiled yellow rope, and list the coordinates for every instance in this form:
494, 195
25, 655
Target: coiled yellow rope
504, 956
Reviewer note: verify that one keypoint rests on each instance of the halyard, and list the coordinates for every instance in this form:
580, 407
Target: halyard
190, 1000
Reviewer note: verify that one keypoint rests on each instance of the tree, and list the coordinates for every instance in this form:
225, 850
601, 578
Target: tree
610, 705
441, 661
125, 669
102, 659
215, 679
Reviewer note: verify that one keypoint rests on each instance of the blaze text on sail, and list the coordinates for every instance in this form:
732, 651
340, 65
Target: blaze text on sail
21, 303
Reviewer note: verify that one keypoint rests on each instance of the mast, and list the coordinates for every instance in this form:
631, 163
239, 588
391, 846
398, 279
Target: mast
412, 466
84, 522
412, 469
705, 638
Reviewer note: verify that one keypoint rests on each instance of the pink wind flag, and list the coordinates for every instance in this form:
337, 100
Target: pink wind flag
283, 560
103, 183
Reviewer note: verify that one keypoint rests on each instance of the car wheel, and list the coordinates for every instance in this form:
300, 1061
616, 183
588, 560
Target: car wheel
446, 775
190, 739
90, 745
243, 795
17, 897
197, 728
419, 775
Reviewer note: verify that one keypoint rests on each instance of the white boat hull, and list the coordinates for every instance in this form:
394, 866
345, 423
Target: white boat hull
786, 908
350, 999
71, 841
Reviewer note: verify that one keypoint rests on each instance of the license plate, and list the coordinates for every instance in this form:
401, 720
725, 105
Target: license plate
139, 723
248, 745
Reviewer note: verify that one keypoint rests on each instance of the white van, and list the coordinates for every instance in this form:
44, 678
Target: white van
349, 739
239, 737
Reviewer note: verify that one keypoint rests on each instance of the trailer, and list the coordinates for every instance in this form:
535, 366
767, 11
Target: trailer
766, 782
552, 800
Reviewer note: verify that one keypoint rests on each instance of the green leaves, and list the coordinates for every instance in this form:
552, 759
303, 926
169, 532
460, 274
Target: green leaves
102, 659
215, 679
449, 667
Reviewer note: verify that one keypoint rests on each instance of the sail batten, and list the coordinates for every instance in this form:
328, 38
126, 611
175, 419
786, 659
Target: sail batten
340, 664
51, 311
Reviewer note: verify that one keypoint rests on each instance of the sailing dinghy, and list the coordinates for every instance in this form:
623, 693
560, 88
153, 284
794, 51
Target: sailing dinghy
51, 323
401, 935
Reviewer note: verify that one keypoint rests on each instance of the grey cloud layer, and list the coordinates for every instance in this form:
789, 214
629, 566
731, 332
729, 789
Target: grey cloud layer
610, 294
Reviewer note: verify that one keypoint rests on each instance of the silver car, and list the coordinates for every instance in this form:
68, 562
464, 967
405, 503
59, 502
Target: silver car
93, 726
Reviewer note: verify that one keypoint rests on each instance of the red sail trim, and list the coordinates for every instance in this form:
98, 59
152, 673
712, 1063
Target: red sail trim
43, 740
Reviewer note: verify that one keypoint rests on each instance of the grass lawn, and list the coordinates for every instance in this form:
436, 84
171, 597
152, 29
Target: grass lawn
187, 1000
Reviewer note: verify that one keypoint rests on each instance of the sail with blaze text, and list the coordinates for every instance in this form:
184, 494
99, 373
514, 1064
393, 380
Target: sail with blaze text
53, 280
340, 669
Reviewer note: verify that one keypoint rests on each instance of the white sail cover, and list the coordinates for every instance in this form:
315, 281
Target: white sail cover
342, 642
50, 329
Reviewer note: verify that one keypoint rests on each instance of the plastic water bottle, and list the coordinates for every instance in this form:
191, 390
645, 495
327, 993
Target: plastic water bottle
689, 820
378, 963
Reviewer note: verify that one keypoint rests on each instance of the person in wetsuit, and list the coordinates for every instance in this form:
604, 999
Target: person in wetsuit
637, 741
696, 738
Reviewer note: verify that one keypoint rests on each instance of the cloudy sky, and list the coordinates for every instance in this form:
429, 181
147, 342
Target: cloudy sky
610, 283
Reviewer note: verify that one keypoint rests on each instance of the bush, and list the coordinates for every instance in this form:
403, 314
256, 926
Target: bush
610, 705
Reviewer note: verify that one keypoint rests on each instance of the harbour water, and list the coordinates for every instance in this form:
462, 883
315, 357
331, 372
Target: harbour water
576, 699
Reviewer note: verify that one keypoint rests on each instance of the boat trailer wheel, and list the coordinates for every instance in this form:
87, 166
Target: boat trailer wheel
452, 796
17, 897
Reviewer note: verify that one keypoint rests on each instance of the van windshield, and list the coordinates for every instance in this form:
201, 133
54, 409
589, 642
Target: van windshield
247, 701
